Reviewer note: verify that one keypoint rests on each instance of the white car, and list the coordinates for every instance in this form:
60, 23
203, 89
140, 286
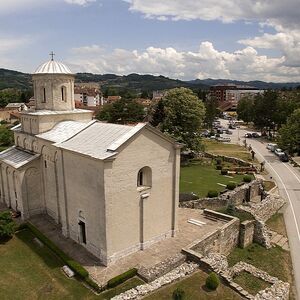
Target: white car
278, 152
270, 146
223, 139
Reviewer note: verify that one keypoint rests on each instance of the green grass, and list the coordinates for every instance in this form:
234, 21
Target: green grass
251, 283
268, 185
219, 148
29, 271
200, 179
276, 261
194, 288
276, 223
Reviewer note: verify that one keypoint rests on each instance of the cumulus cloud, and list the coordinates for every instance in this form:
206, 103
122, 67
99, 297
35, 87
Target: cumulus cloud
245, 64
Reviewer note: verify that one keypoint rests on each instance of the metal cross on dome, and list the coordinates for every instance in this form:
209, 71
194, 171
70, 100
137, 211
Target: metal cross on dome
52, 55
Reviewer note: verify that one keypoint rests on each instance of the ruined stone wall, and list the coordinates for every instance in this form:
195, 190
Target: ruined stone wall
246, 233
223, 240
229, 159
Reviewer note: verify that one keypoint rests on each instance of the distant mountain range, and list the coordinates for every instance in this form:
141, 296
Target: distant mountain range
19, 80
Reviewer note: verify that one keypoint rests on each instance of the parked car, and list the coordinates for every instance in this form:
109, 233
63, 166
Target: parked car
223, 139
231, 126
278, 152
256, 135
271, 145
283, 157
248, 135
228, 131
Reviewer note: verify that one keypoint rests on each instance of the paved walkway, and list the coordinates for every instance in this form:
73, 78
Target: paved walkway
160, 251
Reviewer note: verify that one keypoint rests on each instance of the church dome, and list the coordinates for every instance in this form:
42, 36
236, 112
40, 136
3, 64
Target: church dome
53, 67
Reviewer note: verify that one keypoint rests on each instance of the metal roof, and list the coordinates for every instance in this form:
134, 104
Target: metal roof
53, 67
100, 140
16, 157
63, 131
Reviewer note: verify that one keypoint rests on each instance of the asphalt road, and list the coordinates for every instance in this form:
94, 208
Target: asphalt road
288, 181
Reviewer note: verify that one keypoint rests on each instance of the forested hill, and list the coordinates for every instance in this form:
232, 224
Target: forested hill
136, 82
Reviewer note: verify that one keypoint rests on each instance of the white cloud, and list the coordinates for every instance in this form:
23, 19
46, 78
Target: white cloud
79, 2
11, 43
245, 64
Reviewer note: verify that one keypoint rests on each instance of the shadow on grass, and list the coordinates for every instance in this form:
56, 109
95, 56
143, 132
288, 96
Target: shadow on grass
4, 240
47, 255
206, 289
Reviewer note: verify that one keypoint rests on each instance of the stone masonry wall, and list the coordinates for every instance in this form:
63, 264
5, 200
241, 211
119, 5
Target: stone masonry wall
238, 196
246, 233
223, 240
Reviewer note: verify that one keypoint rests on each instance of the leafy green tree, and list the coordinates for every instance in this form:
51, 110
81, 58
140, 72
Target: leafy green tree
157, 115
245, 109
289, 134
211, 111
7, 225
6, 136
123, 111
265, 110
182, 115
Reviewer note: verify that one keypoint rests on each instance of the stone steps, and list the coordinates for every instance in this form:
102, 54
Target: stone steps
279, 240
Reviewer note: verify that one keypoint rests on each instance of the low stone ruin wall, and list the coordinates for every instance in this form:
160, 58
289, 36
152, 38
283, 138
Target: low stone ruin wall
246, 233
266, 208
222, 240
228, 159
238, 196
161, 268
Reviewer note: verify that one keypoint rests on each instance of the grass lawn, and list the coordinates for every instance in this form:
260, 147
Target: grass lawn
268, 185
200, 179
194, 289
29, 271
219, 148
251, 283
265, 260
276, 223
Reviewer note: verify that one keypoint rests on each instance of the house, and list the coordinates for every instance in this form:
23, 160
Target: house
88, 96
16, 106
112, 188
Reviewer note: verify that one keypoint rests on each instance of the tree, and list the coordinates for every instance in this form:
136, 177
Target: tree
245, 109
123, 111
212, 281
7, 225
181, 116
289, 134
6, 136
211, 111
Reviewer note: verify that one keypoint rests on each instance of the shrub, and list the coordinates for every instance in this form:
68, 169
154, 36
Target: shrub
224, 172
121, 278
212, 194
74, 265
247, 178
218, 167
230, 209
7, 225
219, 161
178, 294
231, 186
93, 285
212, 281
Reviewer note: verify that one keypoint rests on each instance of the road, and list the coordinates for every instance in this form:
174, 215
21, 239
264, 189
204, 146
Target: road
288, 181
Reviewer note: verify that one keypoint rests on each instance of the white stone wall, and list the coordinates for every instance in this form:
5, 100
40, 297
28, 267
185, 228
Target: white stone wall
130, 219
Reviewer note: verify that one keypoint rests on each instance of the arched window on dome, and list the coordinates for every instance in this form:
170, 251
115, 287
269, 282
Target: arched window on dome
64, 93
144, 177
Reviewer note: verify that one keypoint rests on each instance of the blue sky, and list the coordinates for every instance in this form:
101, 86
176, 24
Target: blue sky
180, 39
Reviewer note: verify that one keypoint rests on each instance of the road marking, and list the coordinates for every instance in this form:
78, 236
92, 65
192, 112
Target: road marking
290, 201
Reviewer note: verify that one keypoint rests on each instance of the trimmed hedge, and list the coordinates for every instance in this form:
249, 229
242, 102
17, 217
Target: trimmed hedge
212, 281
74, 265
231, 186
212, 194
178, 294
121, 278
224, 172
247, 178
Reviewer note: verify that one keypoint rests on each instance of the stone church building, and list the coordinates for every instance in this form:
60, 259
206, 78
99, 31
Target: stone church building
112, 188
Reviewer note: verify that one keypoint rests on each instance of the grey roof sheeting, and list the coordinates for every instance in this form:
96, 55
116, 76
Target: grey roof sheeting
100, 140
16, 157
53, 67
63, 131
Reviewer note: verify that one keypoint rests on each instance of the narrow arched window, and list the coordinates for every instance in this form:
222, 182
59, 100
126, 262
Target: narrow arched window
63, 93
44, 95
144, 177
